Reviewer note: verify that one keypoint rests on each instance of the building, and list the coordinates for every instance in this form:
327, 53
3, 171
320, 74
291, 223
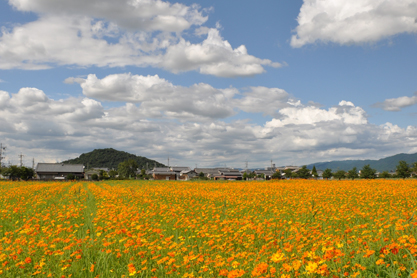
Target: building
187, 175
220, 173
164, 173
58, 171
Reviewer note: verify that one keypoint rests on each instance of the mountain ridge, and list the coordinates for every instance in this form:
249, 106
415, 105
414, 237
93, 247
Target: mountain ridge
384, 164
110, 158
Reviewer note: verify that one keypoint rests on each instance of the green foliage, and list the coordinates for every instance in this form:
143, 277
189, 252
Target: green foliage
245, 176
341, 174
352, 174
128, 168
113, 174
367, 172
70, 177
288, 173
327, 174
15, 172
385, 175
314, 172
276, 175
304, 173
403, 170
94, 177
103, 175
201, 175
111, 158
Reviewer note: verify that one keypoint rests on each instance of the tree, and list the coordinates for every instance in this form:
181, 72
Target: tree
314, 172
304, 173
414, 169
403, 170
327, 174
385, 175
201, 175
245, 175
15, 172
352, 174
70, 177
367, 172
127, 169
112, 174
103, 175
288, 173
341, 174
94, 177
277, 175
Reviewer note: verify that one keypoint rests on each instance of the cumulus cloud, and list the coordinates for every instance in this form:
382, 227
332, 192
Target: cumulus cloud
353, 22
264, 100
396, 104
158, 97
121, 33
214, 56
52, 130
149, 15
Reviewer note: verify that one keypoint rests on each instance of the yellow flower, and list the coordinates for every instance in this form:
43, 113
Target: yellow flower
311, 267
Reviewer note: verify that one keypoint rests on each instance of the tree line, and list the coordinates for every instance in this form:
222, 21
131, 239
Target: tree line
403, 170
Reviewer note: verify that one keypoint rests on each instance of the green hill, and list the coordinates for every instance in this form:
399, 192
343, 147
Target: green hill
384, 164
110, 158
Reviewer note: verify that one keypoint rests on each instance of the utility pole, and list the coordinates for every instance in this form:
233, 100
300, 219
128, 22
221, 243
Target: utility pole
21, 159
246, 165
33, 163
2, 150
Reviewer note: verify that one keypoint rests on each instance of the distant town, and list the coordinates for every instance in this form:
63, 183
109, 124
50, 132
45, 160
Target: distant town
122, 165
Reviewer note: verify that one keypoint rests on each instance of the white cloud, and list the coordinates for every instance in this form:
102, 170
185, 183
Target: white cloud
121, 33
158, 97
57, 129
396, 104
345, 113
148, 15
213, 56
264, 100
353, 22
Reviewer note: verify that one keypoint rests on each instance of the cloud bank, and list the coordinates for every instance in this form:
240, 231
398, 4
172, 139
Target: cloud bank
141, 33
156, 119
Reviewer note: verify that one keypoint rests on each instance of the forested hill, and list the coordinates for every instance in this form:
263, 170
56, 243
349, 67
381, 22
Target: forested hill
110, 158
384, 164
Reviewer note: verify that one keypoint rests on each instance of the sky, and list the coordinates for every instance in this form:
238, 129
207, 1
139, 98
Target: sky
209, 83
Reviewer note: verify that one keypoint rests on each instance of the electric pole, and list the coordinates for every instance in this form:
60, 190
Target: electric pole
33, 163
2, 150
21, 159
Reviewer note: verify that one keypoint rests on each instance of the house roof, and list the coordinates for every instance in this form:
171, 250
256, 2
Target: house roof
163, 173
179, 169
187, 171
59, 168
266, 172
161, 169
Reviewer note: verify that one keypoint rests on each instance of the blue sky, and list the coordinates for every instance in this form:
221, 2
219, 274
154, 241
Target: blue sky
213, 83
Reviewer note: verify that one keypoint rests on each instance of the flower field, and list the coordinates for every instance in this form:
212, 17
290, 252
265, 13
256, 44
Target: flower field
209, 229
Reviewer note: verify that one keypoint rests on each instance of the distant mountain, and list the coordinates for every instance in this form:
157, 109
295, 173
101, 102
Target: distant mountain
110, 158
384, 164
